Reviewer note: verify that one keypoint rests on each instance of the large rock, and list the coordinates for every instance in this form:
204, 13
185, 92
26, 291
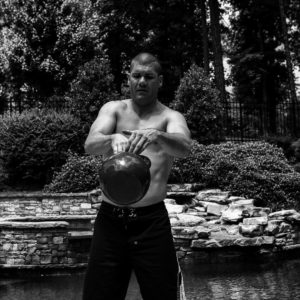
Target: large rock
294, 218
215, 209
251, 230
174, 208
252, 211
232, 215
272, 228
187, 220
256, 221
182, 232
282, 214
194, 232
216, 196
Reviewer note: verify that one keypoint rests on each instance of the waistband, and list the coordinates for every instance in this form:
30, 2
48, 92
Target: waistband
131, 212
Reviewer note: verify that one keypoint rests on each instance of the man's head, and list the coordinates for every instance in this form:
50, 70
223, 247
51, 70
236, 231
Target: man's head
144, 79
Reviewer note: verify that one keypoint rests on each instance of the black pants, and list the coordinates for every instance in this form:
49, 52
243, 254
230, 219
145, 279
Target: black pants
132, 239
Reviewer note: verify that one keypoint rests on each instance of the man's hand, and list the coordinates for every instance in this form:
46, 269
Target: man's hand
140, 139
119, 143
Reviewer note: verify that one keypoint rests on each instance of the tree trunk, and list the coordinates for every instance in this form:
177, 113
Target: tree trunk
218, 53
289, 65
204, 37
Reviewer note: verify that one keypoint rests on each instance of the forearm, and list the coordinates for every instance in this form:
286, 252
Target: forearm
98, 143
175, 144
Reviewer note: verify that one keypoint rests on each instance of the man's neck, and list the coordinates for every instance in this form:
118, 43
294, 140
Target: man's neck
145, 109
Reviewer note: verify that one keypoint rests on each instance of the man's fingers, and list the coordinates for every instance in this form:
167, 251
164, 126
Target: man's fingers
139, 146
127, 132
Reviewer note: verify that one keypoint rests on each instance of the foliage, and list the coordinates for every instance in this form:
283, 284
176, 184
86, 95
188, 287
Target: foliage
284, 142
78, 174
92, 88
257, 57
35, 143
198, 100
255, 169
42, 45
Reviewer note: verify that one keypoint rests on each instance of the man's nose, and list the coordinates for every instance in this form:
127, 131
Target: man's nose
142, 80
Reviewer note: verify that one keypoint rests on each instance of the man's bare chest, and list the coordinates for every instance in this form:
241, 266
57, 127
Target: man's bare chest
129, 121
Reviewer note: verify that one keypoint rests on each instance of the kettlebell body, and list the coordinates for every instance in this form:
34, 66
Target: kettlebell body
125, 177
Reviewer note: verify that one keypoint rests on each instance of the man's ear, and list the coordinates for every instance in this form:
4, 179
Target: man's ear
161, 80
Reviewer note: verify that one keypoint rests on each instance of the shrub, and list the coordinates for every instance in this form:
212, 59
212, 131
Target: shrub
256, 169
35, 143
284, 142
78, 174
198, 100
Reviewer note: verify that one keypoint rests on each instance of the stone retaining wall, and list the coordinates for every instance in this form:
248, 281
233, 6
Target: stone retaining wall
41, 204
55, 230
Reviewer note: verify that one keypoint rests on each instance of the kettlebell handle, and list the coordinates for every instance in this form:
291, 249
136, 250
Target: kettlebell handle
144, 158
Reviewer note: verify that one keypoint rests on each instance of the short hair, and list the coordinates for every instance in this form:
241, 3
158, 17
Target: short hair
146, 58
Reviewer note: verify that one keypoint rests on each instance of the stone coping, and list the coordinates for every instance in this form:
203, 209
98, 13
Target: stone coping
40, 195
39, 267
33, 225
48, 218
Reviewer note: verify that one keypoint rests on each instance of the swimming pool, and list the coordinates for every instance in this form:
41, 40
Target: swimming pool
238, 281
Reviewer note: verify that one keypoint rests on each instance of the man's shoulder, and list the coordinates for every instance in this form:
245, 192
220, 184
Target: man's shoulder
115, 105
169, 112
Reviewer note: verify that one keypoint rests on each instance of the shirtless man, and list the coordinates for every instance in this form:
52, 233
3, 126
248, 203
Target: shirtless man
140, 240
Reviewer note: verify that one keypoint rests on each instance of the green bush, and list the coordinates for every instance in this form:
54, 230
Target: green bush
35, 143
198, 100
78, 174
284, 142
256, 169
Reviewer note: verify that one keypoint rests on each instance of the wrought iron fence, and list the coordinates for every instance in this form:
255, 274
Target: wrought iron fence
251, 121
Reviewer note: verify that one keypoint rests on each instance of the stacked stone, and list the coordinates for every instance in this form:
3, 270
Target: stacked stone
214, 219
33, 243
41, 204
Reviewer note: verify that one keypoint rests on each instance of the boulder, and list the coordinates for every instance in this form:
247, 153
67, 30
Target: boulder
251, 230
232, 215
174, 209
282, 214
188, 220
294, 218
216, 196
250, 211
215, 209
256, 221
184, 232
272, 228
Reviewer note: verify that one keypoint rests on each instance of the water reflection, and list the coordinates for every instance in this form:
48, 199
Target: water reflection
225, 281
244, 281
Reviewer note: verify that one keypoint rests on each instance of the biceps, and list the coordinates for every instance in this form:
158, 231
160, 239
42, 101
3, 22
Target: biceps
178, 125
105, 123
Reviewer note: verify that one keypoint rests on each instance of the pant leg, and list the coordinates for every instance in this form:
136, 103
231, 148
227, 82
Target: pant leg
153, 257
108, 271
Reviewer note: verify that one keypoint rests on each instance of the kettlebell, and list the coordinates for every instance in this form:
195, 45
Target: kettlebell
125, 177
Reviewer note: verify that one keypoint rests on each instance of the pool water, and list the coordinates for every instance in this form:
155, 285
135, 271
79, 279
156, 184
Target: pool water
280, 280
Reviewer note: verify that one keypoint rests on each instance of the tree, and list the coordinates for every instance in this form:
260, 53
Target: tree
257, 59
289, 64
218, 53
43, 44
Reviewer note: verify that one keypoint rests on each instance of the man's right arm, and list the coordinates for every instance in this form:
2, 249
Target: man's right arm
101, 138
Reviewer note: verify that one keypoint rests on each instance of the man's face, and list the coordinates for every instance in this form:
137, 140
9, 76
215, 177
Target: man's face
144, 83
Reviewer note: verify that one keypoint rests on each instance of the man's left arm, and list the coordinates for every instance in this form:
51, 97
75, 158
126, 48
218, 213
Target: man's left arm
175, 141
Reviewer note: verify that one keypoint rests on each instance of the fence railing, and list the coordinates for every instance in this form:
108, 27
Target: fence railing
251, 121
